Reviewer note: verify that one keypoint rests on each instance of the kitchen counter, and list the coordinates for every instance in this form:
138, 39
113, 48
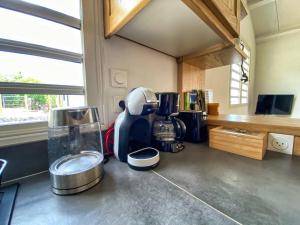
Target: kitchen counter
123, 197
195, 186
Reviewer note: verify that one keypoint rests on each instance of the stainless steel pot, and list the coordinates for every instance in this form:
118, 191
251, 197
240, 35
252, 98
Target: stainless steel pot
75, 173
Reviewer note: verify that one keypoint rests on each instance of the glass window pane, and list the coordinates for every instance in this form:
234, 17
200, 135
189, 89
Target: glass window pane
247, 51
244, 100
234, 101
235, 75
32, 69
235, 67
234, 93
245, 87
69, 7
246, 67
21, 27
235, 84
33, 107
244, 93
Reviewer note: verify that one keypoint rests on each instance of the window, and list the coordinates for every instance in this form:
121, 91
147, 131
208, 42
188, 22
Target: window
239, 89
40, 59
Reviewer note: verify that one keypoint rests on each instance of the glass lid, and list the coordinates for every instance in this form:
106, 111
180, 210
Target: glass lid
74, 164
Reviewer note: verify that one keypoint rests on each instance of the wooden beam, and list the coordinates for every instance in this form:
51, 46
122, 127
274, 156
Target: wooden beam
201, 9
244, 9
215, 56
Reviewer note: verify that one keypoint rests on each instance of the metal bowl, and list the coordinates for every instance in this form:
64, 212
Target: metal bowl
71, 174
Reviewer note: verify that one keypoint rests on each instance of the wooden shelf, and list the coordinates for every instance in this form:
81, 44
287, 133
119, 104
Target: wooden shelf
263, 123
215, 56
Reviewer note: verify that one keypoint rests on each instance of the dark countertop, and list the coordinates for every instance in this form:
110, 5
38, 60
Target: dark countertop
195, 186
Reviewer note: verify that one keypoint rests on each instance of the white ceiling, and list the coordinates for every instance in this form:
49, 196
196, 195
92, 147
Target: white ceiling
171, 27
274, 16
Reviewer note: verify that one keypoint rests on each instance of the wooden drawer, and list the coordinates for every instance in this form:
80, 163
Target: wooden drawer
250, 144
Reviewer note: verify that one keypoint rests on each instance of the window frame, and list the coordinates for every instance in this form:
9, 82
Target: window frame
240, 89
37, 131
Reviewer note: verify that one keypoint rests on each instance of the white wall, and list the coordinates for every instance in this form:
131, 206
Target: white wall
218, 79
278, 68
145, 67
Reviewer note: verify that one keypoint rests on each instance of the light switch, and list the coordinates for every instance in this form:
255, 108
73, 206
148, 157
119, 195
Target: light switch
118, 78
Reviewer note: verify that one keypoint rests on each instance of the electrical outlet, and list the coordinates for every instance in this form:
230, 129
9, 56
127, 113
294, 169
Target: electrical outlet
115, 102
281, 143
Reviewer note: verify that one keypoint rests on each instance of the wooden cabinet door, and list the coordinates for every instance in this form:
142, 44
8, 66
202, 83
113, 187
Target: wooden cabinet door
117, 13
228, 11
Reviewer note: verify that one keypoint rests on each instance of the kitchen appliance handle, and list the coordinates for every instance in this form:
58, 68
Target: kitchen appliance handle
3, 164
180, 128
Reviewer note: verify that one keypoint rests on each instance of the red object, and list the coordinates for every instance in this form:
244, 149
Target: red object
109, 140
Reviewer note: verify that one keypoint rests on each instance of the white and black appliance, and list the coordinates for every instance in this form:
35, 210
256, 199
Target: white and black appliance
168, 131
133, 130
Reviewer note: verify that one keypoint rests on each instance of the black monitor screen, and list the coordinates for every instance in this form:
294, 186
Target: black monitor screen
274, 104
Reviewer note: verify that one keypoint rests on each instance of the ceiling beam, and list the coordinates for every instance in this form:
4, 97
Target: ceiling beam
268, 37
257, 4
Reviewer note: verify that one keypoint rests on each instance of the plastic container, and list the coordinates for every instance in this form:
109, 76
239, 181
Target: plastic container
213, 108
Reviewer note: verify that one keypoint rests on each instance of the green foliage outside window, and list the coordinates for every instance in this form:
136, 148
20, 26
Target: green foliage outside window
32, 101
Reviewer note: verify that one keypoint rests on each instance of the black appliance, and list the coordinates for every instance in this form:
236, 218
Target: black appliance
133, 127
168, 131
168, 103
196, 125
274, 104
7, 198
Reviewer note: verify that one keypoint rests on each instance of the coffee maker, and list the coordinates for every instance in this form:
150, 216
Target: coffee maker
133, 127
168, 131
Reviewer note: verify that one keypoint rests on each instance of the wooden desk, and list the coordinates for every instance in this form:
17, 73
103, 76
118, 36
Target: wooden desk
262, 123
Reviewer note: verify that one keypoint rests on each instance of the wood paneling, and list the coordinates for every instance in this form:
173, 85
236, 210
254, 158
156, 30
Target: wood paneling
252, 144
215, 56
228, 12
244, 9
274, 124
189, 78
117, 14
208, 16
296, 146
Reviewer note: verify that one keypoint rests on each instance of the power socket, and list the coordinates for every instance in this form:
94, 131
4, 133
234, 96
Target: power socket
281, 143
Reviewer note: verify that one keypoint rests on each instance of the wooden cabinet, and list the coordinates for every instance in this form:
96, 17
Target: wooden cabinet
117, 13
228, 12
296, 146
173, 21
200, 34
250, 144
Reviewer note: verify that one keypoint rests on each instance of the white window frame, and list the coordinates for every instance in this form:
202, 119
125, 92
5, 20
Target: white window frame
36, 131
240, 89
